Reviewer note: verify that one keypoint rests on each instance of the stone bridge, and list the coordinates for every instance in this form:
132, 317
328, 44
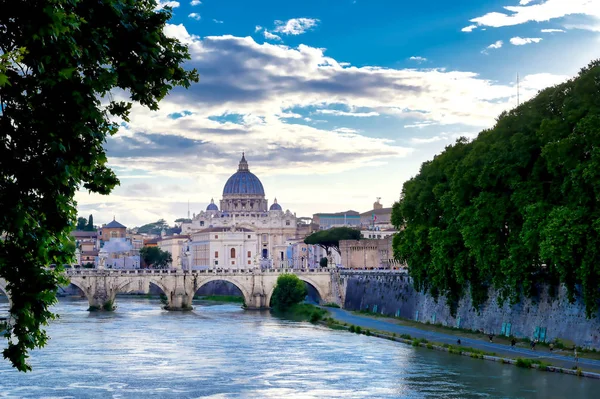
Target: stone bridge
101, 286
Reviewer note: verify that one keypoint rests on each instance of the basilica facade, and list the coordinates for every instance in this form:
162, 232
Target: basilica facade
242, 209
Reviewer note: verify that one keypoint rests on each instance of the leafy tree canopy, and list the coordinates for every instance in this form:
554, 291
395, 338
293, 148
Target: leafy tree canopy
288, 291
155, 257
516, 207
81, 224
331, 238
60, 63
183, 220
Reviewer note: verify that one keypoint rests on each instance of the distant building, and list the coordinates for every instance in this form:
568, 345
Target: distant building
368, 254
221, 248
244, 206
88, 244
339, 219
118, 253
152, 242
174, 245
377, 233
377, 217
137, 240
113, 230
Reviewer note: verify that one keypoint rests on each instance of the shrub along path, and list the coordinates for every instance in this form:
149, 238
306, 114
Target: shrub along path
392, 326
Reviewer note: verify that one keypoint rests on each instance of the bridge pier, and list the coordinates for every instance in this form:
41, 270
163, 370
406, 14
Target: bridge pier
257, 301
101, 296
179, 299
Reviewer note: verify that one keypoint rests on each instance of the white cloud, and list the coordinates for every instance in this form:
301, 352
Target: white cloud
195, 16
166, 3
180, 33
590, 27
444, 136
469, 28
418, 59
520, 41
257, 28
335, 112
250, 97
195, 2
418, 140
419, 125
270, 36
525, 2
496, 45
295, 26
216, 21
552, 30
544, 11
539, 81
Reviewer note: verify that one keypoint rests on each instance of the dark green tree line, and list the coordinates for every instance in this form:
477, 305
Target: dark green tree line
330, 238
155, 257
516, 207
84, 224
60, 63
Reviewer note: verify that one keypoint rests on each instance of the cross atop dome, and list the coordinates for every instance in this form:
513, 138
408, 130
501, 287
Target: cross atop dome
243, 164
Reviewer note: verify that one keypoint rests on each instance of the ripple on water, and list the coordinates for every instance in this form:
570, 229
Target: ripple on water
224, 352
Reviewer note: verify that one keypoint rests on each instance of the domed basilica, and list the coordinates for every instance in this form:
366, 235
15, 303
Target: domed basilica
243, 208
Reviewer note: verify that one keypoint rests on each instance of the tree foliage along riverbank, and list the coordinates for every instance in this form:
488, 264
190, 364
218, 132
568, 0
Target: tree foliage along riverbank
289, 290
517, 206
61, 62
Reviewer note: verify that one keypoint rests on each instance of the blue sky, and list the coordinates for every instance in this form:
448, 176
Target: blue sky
335, 102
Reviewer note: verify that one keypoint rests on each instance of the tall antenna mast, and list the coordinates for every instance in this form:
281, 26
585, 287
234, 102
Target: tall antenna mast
188, 209
518, 102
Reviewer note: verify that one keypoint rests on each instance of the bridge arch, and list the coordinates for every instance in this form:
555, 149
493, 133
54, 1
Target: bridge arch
159, 284
306, 280
79, 284
240, 286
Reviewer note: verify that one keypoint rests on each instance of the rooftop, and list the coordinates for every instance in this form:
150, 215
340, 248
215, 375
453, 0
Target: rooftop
225, 230
84, 234
114, 225
347, 213
382, 211
184, 236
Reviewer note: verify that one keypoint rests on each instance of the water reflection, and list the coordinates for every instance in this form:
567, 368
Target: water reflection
225, 352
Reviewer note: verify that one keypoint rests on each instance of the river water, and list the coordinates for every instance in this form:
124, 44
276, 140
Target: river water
221, 351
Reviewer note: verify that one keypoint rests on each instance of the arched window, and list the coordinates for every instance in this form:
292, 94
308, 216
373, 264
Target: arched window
233, 252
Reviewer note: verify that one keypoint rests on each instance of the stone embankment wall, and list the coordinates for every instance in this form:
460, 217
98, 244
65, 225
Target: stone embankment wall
549, 318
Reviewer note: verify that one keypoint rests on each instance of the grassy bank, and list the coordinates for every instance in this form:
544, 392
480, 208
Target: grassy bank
302, 312
221, 298
459, 350
562, 348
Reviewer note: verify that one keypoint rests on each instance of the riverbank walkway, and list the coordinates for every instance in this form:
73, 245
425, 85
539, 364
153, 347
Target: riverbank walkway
391, 326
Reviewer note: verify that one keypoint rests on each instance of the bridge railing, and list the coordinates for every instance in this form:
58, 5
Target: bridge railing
161, 272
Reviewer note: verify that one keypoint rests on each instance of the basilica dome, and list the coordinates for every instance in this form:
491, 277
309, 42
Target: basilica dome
275, 206
212, 206
243, 182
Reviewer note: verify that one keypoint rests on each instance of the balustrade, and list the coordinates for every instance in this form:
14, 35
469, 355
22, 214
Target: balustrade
123, 272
